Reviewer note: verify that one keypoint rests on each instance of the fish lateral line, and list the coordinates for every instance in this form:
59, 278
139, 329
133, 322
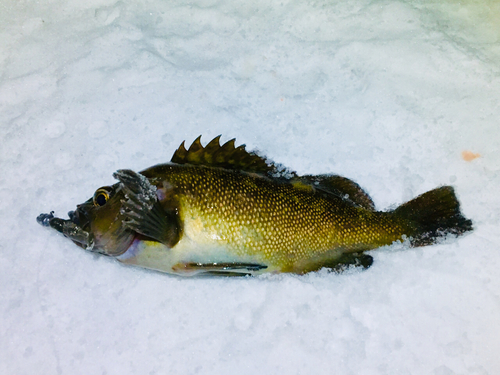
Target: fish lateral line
222, 210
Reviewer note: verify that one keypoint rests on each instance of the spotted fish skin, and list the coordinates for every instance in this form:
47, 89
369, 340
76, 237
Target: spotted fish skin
276, 224
219, 210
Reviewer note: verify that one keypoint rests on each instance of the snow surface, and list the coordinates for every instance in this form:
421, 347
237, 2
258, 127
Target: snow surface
388, 93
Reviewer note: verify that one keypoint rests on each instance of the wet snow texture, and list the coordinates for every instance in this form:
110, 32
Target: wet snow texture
389, 93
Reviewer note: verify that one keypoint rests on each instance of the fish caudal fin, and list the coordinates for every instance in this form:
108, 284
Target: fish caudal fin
435, 214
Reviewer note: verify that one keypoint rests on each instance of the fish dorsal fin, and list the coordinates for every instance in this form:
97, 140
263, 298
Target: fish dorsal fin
226, 156
341, 187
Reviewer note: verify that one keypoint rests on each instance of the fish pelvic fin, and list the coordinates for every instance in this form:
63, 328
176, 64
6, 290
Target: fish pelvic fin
434, 214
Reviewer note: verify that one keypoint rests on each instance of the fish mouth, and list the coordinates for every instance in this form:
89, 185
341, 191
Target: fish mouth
75, 228
80, 217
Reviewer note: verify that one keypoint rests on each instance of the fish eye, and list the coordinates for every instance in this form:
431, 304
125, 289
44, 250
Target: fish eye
101, 196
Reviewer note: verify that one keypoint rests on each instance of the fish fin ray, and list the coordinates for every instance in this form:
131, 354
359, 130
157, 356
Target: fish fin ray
434, 214
227, 266
225, 274
227, 156
222, 269
350, 260
334, 261
341, 187
143, 213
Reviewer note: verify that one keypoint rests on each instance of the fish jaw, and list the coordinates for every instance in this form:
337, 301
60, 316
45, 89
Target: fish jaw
68, 228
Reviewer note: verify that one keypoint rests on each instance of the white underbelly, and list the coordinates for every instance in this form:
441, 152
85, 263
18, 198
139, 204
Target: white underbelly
187, 258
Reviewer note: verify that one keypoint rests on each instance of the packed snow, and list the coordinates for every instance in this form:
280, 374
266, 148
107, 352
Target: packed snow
402, 96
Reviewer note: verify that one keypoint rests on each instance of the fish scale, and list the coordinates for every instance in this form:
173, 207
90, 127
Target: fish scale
220, 210
270, 221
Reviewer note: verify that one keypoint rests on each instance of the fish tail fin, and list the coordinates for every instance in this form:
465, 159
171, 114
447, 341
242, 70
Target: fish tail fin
435, 214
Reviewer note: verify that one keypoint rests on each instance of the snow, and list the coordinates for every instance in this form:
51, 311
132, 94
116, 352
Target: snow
388, 93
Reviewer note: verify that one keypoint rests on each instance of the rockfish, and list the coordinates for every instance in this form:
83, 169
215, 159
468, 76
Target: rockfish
220, 210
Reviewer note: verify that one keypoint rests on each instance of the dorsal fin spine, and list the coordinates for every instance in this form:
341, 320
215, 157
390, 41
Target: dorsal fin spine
226, 156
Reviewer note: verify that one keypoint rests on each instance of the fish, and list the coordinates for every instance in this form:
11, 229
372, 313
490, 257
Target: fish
220, 210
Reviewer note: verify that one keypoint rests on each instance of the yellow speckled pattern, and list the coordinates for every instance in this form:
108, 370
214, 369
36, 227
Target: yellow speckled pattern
288, 228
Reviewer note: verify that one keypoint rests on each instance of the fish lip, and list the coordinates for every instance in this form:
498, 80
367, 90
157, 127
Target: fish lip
80, 218
74, 216
70, 228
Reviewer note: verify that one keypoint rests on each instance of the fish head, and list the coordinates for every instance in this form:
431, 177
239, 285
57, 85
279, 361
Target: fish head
97, 224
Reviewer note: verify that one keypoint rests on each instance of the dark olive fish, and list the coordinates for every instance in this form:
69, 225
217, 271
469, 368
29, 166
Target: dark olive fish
220, 210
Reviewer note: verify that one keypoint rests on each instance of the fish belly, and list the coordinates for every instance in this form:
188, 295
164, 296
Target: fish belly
190, 258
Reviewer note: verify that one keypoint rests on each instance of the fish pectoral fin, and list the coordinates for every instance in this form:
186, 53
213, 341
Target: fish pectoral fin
220, 269
142, 212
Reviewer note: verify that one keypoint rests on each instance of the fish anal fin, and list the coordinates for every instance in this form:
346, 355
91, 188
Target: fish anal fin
349, 260
341, 187
337, 260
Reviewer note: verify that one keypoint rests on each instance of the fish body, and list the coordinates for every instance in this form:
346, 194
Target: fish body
219, 210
